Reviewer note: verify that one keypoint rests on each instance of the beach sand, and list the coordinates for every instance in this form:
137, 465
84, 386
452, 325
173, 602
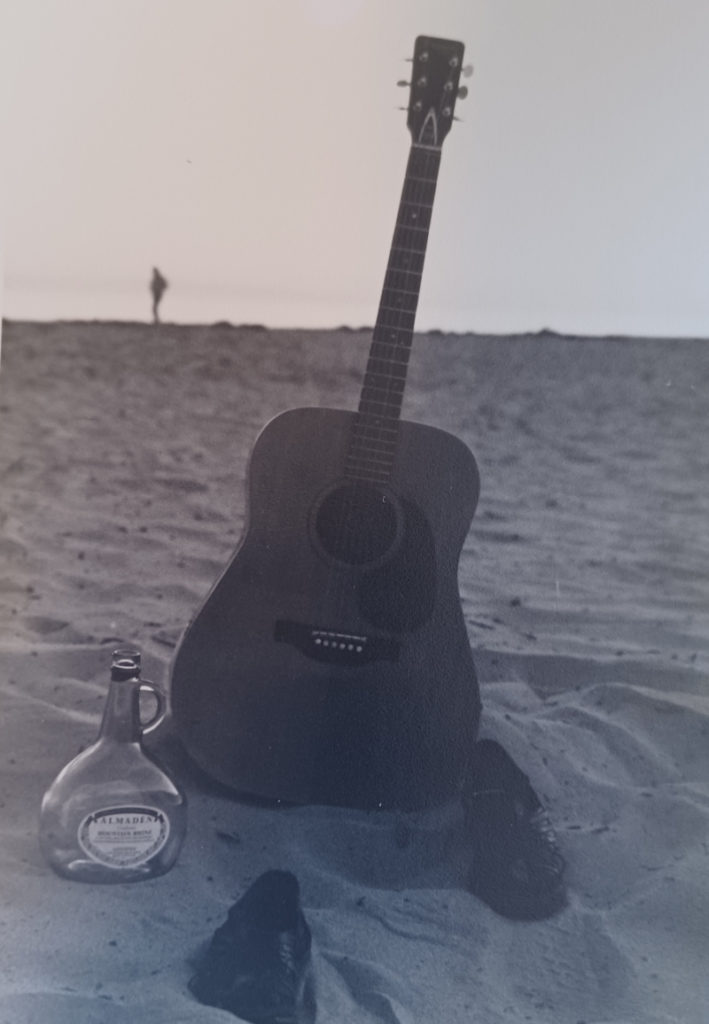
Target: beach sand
583, 580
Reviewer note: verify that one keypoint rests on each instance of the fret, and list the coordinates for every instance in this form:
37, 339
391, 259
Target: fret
394, 348
419, 190
415, 230
406, 258
377, 444
401, 319
398, 310
403, 229
401, 308
393, 337
362, 465
375, 407
398, 339
382, 367
371, 399
392, 334
375, 438
391, 387
389, 425
385, 367
418, 199
417, 207
380, 477
377, 449
369, 453
426, 180
421, 161
381, 463
377, 428
384, 364
373, 404
410, 294
376, 435
372, 456
400, 226
401, 279
381, 404
374, 476
414, 247
373, 444
374, 450
365, 459
409, 278
372, 392
393, 298
379, 391
399, 347
391, 353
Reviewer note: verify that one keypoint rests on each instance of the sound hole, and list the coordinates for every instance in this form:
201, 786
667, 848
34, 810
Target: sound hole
357, 523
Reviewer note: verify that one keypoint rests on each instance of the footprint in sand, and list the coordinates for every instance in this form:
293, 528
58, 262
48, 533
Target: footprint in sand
44, 624
57, 1008
368, 985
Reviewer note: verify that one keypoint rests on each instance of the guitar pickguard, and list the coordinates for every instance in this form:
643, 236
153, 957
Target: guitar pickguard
399, 596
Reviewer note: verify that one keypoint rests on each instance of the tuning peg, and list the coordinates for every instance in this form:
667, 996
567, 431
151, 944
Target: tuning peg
467, 70
462, 92
402, 82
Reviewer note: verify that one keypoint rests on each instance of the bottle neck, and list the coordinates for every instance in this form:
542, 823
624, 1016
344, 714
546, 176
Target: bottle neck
121, 715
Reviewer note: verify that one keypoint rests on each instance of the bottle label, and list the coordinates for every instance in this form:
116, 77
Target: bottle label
124, 837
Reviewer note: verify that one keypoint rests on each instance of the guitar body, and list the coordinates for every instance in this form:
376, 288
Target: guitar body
330, 663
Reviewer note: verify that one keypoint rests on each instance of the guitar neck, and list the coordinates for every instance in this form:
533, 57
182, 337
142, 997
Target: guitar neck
373, 441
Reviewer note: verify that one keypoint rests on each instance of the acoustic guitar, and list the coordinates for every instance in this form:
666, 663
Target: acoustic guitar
330, 663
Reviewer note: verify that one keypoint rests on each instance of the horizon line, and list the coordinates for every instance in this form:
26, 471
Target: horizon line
348, 328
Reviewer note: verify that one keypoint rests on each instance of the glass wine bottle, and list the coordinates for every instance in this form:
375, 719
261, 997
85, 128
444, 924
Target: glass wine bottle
113, 814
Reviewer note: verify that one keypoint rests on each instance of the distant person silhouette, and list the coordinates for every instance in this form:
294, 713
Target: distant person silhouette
158, 284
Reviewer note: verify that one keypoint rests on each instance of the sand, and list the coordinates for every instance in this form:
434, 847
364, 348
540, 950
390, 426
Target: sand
584, 587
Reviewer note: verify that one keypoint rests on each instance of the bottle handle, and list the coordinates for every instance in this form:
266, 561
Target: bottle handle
161, 709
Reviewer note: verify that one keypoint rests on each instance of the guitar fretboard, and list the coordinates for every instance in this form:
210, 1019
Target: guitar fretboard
375, 430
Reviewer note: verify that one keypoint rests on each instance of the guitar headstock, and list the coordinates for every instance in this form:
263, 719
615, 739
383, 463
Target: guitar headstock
436, 68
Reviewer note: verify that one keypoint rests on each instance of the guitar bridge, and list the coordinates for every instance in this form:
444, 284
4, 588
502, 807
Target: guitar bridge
348, 649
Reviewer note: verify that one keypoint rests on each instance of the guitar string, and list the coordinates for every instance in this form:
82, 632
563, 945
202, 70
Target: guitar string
363, 461
373, 467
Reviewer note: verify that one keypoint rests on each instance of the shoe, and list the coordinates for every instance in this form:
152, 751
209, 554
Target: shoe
517, 867
258, 965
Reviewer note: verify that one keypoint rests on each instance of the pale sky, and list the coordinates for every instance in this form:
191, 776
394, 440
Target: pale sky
254, 152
